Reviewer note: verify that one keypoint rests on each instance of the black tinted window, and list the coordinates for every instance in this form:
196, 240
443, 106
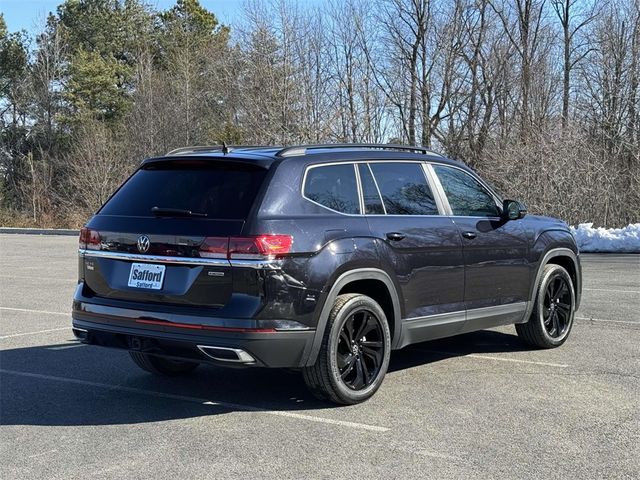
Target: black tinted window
333, 186
372, 201
219, 191
466, 195
404, 189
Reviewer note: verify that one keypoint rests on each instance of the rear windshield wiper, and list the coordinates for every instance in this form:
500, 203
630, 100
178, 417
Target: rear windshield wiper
175, 212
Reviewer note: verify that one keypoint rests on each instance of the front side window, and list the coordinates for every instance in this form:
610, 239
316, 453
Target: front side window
404, 188
333, 186
467, 196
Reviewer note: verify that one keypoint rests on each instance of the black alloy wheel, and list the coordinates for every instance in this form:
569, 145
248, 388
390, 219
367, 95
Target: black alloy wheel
557, 306
551, 318
360, 349
354, 354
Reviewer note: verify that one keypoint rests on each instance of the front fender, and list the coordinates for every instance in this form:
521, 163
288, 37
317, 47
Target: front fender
550, 244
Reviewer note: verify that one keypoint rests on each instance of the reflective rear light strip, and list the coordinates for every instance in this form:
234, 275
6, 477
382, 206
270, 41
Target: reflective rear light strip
206, 327
258, 247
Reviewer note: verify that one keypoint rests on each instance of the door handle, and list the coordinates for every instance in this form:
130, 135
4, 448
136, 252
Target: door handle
395, 236
469, 235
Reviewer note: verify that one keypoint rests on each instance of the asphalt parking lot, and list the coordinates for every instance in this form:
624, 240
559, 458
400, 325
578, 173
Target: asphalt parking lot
481, 405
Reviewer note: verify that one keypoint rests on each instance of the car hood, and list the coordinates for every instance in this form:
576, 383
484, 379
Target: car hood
549, 222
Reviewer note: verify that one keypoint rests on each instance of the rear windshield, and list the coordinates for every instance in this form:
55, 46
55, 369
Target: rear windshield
221, 191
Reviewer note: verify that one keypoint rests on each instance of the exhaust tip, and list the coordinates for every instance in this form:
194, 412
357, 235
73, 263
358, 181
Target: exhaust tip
226, 354
81, 334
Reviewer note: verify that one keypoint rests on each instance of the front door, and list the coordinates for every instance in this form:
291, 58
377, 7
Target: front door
495, 252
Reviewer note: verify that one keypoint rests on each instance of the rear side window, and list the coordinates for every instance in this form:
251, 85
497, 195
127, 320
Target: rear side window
333, 186
221, 191
372, 200
467, 196
404, 189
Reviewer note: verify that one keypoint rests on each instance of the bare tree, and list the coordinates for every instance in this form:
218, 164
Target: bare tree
572, 53
46, 82
97, 164
522, 24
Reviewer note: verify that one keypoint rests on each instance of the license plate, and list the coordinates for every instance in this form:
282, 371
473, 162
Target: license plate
146, 275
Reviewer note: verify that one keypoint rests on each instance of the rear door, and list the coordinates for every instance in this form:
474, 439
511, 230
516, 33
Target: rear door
495, 252
419, 244
161, 237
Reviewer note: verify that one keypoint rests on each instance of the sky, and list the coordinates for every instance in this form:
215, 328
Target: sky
30, 15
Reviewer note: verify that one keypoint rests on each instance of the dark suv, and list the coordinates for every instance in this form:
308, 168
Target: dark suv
322, 258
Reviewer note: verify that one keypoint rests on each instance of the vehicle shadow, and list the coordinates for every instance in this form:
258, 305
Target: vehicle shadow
73, 384
483, 341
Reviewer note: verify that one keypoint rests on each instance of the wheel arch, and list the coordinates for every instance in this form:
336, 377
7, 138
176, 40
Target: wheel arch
566, 258
372, 282
571, 266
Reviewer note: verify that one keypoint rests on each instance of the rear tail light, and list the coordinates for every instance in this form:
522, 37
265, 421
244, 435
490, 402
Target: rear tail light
89, 239
215, 247
257, 247
274, 245
262, 246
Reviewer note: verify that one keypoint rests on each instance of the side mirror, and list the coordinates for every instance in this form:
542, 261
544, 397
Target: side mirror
513, 210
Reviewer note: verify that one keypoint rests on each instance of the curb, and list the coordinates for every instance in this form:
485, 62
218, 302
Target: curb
40, 231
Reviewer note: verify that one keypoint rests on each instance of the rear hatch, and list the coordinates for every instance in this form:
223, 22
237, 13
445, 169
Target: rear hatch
163, 236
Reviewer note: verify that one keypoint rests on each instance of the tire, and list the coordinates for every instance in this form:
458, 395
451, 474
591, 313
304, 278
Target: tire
542, 329
162, 366
350, 368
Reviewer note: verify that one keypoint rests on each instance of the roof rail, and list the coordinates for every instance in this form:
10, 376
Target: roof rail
195, 148
212, 148
302, 149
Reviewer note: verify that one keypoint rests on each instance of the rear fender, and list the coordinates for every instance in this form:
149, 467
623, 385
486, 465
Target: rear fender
343, 280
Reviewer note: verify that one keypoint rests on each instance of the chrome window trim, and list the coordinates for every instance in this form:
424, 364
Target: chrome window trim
359, 186
304, 182
375, 182
433, 181
436, 188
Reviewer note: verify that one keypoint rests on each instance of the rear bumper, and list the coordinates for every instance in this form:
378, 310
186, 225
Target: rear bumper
180, 337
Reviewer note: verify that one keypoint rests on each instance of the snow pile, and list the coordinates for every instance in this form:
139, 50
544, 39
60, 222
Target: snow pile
619, 240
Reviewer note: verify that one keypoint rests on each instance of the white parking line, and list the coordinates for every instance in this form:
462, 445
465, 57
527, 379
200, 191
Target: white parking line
201, 401
497, 359
517, 360
54, 279
64, 347
624, 322
28, 310
35, 333
47, 452
611, 290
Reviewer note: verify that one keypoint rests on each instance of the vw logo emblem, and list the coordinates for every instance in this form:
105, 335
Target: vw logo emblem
143, 244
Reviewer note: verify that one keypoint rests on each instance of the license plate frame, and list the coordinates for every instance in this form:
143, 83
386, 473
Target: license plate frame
146, 276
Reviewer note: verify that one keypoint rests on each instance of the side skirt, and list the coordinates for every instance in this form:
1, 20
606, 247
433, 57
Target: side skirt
432, 327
